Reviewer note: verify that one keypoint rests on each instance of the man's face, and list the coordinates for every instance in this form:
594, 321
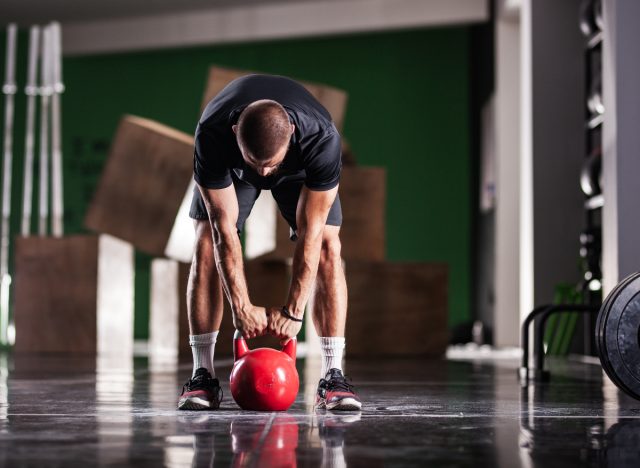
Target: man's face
265, 168
268, 167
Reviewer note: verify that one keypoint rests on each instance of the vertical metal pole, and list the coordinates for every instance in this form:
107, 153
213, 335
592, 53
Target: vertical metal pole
31, 90
57, 227
45, 91
9, 90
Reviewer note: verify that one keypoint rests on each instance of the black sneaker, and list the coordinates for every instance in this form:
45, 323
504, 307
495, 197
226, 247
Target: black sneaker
335, 393
201, 392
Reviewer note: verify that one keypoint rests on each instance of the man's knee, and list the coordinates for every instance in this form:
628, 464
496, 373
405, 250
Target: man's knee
331, 246
203, 255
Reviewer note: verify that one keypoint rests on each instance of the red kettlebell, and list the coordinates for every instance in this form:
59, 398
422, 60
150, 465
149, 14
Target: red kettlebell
264, 379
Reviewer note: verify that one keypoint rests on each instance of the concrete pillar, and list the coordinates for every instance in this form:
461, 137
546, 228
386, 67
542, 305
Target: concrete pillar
507, 152
552, 145
621, 141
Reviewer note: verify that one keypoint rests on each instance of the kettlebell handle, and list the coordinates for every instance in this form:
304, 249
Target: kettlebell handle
240, 347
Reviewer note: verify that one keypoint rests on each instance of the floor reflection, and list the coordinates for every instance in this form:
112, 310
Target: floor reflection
262, 440
332, 429
4, 392
270, 443
114, 409
70, 412
582, 418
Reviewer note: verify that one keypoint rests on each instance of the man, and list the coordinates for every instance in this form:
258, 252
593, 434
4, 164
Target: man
266, 132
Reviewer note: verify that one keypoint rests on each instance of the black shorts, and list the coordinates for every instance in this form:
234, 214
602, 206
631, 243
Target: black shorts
286, 195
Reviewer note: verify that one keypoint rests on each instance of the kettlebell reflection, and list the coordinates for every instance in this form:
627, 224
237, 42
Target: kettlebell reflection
272, 444
265, 440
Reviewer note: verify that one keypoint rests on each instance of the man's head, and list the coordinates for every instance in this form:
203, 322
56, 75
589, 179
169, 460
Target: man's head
263, 132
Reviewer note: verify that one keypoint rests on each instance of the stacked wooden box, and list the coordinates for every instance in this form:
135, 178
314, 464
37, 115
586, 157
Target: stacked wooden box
74, 295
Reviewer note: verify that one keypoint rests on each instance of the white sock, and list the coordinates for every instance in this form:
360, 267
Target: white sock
202, 348
331, 348
333, 456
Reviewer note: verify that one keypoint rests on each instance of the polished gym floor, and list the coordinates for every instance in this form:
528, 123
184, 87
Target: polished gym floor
72, 412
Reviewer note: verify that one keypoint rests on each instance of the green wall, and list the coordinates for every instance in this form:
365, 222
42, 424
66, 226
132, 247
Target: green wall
408, 111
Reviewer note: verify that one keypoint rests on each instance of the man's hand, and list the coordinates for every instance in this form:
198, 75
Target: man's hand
251, 322
280, 326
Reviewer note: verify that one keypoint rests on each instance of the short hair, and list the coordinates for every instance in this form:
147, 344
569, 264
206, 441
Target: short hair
263, 129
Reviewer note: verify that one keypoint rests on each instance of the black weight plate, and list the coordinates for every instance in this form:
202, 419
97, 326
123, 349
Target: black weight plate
622, 342
622, 441
603, 313
604, 309
600, 327
602, 320
621, 328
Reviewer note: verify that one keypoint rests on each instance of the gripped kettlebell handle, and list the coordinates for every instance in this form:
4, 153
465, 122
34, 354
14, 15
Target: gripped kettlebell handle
240, 347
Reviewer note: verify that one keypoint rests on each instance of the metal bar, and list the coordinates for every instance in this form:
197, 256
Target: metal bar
540, 326
31, 90
550, 333
524, 333
8, 89
57, 227
46, 90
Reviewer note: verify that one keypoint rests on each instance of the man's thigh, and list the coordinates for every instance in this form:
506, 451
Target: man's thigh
246, 194
287, 195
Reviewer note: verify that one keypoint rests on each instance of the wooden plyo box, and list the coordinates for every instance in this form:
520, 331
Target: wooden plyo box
396, 309
146, 178
363, 199
268, 284
74, 295
333, 99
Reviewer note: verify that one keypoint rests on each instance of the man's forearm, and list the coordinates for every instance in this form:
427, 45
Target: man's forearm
305, 268
228, 255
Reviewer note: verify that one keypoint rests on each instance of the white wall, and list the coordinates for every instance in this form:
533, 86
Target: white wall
553, 145
621, 141
270, 20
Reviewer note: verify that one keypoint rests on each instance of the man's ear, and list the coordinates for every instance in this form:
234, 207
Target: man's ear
235, 129
293, 128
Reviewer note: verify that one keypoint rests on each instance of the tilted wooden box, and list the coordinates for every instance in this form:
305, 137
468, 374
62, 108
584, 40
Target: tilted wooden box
146, 177
333, 99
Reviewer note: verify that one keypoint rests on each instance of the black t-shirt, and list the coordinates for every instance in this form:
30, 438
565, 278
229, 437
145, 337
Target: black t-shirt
314, 153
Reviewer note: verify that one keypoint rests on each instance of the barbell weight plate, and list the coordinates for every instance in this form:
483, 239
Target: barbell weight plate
586, 18
601, 329
598, 14
602, 314
590, 175
621, 334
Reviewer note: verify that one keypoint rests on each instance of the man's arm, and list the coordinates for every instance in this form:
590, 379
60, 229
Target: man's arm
222, 207
313, 209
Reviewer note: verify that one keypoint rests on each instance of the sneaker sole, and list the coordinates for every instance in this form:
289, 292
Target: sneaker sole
195, 404
346, 404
